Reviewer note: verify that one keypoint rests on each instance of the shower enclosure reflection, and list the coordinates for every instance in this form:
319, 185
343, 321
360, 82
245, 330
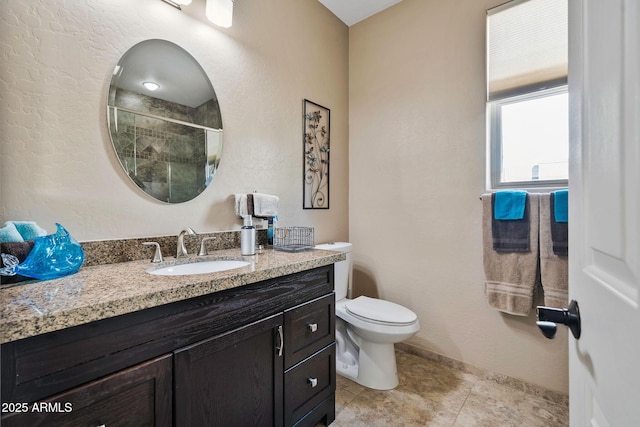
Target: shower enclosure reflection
164, 158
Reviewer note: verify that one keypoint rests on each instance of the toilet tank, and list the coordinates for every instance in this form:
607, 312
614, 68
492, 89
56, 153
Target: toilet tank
342, 275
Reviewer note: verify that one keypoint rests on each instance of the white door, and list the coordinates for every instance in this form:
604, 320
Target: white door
604, 209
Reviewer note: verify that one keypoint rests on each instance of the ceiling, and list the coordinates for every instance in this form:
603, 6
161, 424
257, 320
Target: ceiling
354, 11
182, 80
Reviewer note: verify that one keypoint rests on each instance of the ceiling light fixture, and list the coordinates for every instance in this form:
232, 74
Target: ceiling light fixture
151, 85
220, 12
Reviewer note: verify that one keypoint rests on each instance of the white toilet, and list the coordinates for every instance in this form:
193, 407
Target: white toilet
366, 329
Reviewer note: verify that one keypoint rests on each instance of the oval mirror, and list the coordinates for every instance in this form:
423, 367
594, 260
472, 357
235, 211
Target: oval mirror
164, 121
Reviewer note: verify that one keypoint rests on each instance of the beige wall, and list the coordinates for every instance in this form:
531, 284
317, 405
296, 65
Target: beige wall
417, 167
57, 163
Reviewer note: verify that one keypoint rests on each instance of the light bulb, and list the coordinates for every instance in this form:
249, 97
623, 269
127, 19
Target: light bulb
151, 85
220, 12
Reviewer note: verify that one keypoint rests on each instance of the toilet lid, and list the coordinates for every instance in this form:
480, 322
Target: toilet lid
380, 311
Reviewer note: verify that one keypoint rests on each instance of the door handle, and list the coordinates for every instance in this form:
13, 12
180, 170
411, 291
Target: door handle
280, 344
549, 317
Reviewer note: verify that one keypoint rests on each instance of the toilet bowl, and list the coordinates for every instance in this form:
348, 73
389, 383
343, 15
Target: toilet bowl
366, 330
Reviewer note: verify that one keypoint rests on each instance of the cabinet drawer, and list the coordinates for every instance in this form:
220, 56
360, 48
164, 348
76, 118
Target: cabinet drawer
138, 396
308, 383
308, 328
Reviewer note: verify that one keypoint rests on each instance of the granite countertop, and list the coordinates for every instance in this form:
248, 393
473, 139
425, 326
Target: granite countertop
103, 291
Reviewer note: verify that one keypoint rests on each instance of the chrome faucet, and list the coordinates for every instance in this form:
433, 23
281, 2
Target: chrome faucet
182, 250
157, 255
203, 246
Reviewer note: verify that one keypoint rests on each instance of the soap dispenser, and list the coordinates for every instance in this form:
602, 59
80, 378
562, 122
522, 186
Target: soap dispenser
248, 237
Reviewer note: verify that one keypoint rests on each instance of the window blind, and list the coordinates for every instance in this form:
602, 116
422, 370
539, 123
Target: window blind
527, 44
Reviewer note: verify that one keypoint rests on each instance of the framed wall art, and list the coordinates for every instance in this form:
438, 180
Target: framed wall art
316, 134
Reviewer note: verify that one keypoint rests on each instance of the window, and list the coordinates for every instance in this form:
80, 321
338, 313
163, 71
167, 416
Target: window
527, 99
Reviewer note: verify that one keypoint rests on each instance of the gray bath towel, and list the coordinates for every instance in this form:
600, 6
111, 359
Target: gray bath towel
554, 269
559, 231
510, 278
511, 235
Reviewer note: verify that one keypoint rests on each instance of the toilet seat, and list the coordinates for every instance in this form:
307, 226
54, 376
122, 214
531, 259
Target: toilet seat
380, 312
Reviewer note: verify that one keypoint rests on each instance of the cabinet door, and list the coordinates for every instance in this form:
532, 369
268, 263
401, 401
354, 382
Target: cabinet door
233, 379
136, 397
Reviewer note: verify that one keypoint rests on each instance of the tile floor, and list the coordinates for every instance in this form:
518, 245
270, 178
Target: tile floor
431, 394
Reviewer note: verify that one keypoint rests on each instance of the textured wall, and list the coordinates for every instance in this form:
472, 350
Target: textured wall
57, 163
417, 149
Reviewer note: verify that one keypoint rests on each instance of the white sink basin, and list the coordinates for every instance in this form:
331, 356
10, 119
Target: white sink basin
198, 267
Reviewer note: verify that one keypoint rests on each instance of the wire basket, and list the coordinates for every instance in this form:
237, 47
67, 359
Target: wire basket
293, 239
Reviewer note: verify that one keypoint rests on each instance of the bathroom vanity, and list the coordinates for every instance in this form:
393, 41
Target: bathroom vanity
251, 346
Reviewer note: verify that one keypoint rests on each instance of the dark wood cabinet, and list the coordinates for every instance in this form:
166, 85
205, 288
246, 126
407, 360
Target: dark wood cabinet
234, 379
136, 397
260, 354
245, 370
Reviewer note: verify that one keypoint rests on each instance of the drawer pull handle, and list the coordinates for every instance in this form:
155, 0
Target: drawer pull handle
313, 327
312, 381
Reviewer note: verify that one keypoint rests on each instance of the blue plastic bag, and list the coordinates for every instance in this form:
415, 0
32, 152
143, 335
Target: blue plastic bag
53, 256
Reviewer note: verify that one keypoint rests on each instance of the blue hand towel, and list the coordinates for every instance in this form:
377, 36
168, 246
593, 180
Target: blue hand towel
29, 230
9, 233
561, 205
509, 205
